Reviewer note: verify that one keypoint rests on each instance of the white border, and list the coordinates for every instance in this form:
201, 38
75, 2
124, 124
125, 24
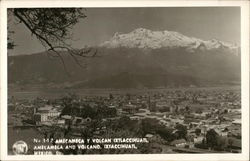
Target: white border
137, 3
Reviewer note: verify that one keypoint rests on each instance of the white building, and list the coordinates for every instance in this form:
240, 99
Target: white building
45, 114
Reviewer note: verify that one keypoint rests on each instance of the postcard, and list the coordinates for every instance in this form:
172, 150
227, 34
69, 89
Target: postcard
116, 80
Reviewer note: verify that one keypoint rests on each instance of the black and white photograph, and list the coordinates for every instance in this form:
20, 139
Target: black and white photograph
124, 80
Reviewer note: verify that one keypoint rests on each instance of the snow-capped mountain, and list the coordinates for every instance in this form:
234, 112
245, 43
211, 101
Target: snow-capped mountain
147, 39
140, 59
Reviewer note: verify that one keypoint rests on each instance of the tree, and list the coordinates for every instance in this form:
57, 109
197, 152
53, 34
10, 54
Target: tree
165, 133
198, 131
123, 122
52, 27
181, 131
211, 138
149, 125
221, 143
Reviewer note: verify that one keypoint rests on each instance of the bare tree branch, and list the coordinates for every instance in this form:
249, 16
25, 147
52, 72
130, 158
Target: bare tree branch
52, 27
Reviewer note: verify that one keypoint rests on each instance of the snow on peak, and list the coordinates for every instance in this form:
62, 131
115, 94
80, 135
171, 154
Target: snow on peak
147, 39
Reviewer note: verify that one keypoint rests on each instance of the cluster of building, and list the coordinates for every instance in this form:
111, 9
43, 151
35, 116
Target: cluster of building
204, 110
196, 109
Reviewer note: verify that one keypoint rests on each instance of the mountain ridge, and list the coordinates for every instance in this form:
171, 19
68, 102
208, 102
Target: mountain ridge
178, 60
146, 39
131, 68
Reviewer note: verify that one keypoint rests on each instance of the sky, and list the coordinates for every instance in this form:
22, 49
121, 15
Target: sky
222, 23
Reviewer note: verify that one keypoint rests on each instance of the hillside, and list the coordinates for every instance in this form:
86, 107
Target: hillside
139, 59
128, 68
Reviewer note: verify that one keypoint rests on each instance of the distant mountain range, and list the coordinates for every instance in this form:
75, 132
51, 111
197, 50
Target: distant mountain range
139, 59
146, 39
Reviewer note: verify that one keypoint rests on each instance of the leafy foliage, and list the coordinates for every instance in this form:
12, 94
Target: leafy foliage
211, 138
198, 131
181, 132
52, 27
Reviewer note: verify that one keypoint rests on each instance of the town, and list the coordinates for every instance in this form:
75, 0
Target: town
173, 121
